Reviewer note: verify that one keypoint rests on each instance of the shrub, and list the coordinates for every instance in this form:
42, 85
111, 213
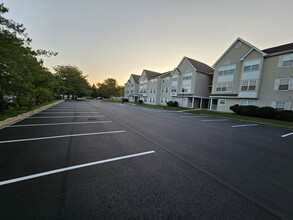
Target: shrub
249, 110
140, 101
236, 109
172, 104
285, 115
267, 112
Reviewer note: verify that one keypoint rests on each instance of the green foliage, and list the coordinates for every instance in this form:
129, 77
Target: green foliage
140, 101
109, 88
172, 104
21, 73
267, 112
249, 110
236, 108
285, 115
71, 81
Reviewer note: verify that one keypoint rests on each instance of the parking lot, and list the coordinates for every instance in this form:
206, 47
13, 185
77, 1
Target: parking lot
91, 160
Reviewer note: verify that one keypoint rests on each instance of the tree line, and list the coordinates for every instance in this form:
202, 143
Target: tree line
25, 82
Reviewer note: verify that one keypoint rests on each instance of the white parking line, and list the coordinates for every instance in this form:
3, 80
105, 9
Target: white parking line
5, 182
60, 136
193, 116
84, 116
52, 124
244, 125
215, 120
48, 112
286, 135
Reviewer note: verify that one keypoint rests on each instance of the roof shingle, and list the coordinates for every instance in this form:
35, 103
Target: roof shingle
199, 66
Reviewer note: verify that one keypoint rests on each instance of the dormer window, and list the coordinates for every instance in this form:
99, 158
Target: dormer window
251, 65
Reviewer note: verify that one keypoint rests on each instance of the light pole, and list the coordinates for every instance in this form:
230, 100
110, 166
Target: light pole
182, 96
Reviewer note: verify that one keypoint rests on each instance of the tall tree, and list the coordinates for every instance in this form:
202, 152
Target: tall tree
18, 62
72, 81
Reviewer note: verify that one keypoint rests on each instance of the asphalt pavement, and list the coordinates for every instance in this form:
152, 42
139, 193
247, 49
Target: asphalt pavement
100, 160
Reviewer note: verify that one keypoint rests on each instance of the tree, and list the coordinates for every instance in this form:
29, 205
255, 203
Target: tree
71, 81
19, 65
109, 88
94, 91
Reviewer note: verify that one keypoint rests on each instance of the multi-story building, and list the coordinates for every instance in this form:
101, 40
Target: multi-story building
191, 83
246, 75
148, 87
165, 88
131, 88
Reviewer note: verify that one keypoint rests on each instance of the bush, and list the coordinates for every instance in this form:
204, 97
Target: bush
236, 109
172, 104
285, 115
140, 101
267, 112
249, 110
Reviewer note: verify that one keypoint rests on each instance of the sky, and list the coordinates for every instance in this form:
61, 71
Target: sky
117, 38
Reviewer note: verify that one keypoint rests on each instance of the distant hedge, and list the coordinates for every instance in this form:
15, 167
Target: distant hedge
172, 104
262, 112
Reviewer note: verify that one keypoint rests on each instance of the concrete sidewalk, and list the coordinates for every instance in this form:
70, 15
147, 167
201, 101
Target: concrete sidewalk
13, 120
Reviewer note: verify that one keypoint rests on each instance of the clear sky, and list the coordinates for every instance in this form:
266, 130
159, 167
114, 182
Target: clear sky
116, 38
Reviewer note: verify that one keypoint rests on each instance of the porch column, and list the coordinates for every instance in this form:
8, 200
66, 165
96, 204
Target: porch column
211, 103
192, 103
200, 105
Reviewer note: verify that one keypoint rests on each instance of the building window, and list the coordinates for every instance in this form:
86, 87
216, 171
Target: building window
248, 85
224, 87
166, 99
222, 101
280, 106
131, 91
251, 65
166, 89
162, 99
227, 70
174, 79
287, 60
153, 100
284, 84
187, 76
174, 89
151, 91
247, 102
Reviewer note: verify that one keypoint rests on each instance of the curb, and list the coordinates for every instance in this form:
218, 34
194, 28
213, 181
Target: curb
13, 120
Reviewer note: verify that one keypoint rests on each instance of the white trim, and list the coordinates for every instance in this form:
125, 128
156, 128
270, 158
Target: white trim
53, 124
243, 41
245, 125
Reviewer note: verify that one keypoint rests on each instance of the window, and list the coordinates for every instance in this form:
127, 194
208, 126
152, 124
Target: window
280, 106
166, 99
284, 84
162, 90
247, 102
131, 91
224, 87
151, 91
287, 60
166, 89
162, 99
222, 101
251, 65
187, 76
227, 70
153, 100
174, 89
248, 85
174, 79
154, 90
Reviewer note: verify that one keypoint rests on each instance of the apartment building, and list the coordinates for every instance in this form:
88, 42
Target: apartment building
165, 88
148, 87
246, 75
191, 83
131, 88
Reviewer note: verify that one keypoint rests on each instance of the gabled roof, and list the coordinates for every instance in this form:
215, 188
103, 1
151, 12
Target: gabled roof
151, 74
166, 74
279, 49
135, 77
245, 42
199, 66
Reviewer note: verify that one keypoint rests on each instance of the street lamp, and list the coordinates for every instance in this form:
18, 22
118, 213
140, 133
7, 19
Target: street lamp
182, 96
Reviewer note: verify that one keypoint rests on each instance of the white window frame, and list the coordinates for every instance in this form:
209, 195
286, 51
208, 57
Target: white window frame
249, 84
251, 65
227, 70
222, 101
246, 102
224, 87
